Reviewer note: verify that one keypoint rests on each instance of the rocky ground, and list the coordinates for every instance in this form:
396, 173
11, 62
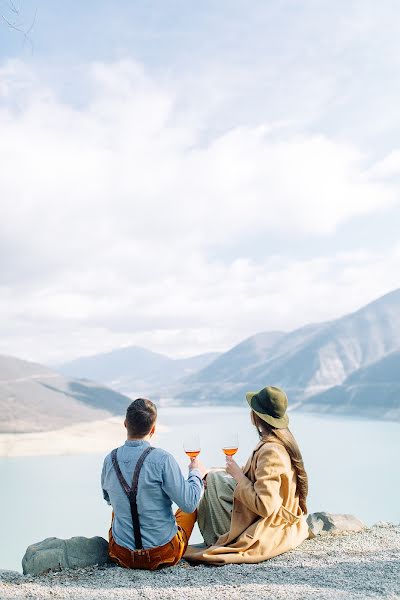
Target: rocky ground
336, 566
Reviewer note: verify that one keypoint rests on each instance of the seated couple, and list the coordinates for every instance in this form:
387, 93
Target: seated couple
246, 515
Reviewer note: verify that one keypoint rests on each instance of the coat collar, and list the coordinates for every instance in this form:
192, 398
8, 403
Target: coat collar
260, 444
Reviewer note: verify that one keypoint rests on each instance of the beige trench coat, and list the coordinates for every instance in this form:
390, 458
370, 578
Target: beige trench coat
266, 517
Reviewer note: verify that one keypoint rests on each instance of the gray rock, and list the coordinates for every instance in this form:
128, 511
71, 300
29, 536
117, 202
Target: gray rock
9, 576
56, 554
324, 522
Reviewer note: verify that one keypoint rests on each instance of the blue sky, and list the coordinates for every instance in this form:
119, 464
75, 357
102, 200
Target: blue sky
181, 175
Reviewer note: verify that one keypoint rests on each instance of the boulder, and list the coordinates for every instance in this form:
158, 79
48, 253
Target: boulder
324, 522
57, 554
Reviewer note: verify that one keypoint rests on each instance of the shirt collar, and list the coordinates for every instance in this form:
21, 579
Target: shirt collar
134, 443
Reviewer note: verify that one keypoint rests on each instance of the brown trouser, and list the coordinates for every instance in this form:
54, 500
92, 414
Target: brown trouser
160, 556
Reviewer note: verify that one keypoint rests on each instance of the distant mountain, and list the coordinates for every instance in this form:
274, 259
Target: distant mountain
111, 367
135, 370
226, 372
372, 391
252, 351
318, 365
35, 398
304, 362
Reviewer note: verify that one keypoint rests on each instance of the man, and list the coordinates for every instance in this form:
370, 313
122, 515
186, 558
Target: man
141, 483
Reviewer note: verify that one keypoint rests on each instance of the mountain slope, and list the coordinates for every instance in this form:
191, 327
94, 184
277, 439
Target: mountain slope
134, 370
306, 361
252, 351
35, 398
373, 391
336, 349
111, 366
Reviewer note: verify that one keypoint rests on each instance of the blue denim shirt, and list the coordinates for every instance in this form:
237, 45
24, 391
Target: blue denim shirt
160, 484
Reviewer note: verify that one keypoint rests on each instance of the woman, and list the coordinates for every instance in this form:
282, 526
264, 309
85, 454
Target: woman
266, 514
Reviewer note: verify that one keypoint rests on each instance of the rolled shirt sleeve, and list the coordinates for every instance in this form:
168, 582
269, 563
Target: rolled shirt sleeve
103, 474
185, 493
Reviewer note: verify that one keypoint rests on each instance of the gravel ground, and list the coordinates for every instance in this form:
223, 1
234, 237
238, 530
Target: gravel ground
346, 566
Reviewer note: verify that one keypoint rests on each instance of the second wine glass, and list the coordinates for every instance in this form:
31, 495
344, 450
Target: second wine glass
230, 444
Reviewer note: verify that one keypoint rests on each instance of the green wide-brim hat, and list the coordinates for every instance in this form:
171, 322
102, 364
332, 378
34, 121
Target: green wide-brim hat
270, 404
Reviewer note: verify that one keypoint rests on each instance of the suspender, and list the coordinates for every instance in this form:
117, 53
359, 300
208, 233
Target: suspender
131, 491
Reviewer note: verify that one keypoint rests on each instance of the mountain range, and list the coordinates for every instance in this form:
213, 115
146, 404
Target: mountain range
305, 362
324, 367
372, 391
35, 398
136, 371
347, 366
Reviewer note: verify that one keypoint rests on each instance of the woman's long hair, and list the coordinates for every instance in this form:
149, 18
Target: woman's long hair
285, 437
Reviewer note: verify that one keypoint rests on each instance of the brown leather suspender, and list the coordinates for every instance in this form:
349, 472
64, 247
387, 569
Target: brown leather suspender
131, 491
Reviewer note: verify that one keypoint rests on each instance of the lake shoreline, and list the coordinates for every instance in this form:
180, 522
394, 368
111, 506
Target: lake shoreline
89, 437
351, 566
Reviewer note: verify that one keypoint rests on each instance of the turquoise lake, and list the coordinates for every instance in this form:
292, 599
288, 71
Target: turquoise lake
353, 467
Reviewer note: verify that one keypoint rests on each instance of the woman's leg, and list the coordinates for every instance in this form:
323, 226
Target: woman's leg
215, 509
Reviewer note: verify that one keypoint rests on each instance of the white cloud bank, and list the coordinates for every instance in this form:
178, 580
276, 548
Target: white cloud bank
114, 215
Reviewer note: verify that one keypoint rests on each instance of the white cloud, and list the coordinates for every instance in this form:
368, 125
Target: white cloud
110, 209
389, 166
200, 306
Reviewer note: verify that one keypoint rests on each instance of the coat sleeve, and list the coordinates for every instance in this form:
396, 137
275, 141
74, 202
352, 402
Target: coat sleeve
263, 496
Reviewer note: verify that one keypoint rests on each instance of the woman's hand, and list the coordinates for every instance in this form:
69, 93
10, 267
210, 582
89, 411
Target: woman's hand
233, 469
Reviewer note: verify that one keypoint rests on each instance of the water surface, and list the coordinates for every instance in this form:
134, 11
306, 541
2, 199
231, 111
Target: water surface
352, 466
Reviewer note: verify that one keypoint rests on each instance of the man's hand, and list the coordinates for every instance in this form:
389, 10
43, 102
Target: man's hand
195, 463
233, 469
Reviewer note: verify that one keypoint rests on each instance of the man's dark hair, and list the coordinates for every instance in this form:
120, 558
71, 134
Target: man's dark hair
141, 415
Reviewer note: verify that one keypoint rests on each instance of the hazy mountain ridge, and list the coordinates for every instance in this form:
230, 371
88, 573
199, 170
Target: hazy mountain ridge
227, 385
372, 391
35, 398
251, 351
307, 361
350, 365
136, 371
109, 366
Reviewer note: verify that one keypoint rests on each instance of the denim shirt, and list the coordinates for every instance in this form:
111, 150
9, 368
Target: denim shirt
160, 484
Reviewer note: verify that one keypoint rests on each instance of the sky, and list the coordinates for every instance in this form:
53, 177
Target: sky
181, 175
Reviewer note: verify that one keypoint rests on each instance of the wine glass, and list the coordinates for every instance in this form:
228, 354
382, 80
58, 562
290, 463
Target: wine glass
230, 444
191, 445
